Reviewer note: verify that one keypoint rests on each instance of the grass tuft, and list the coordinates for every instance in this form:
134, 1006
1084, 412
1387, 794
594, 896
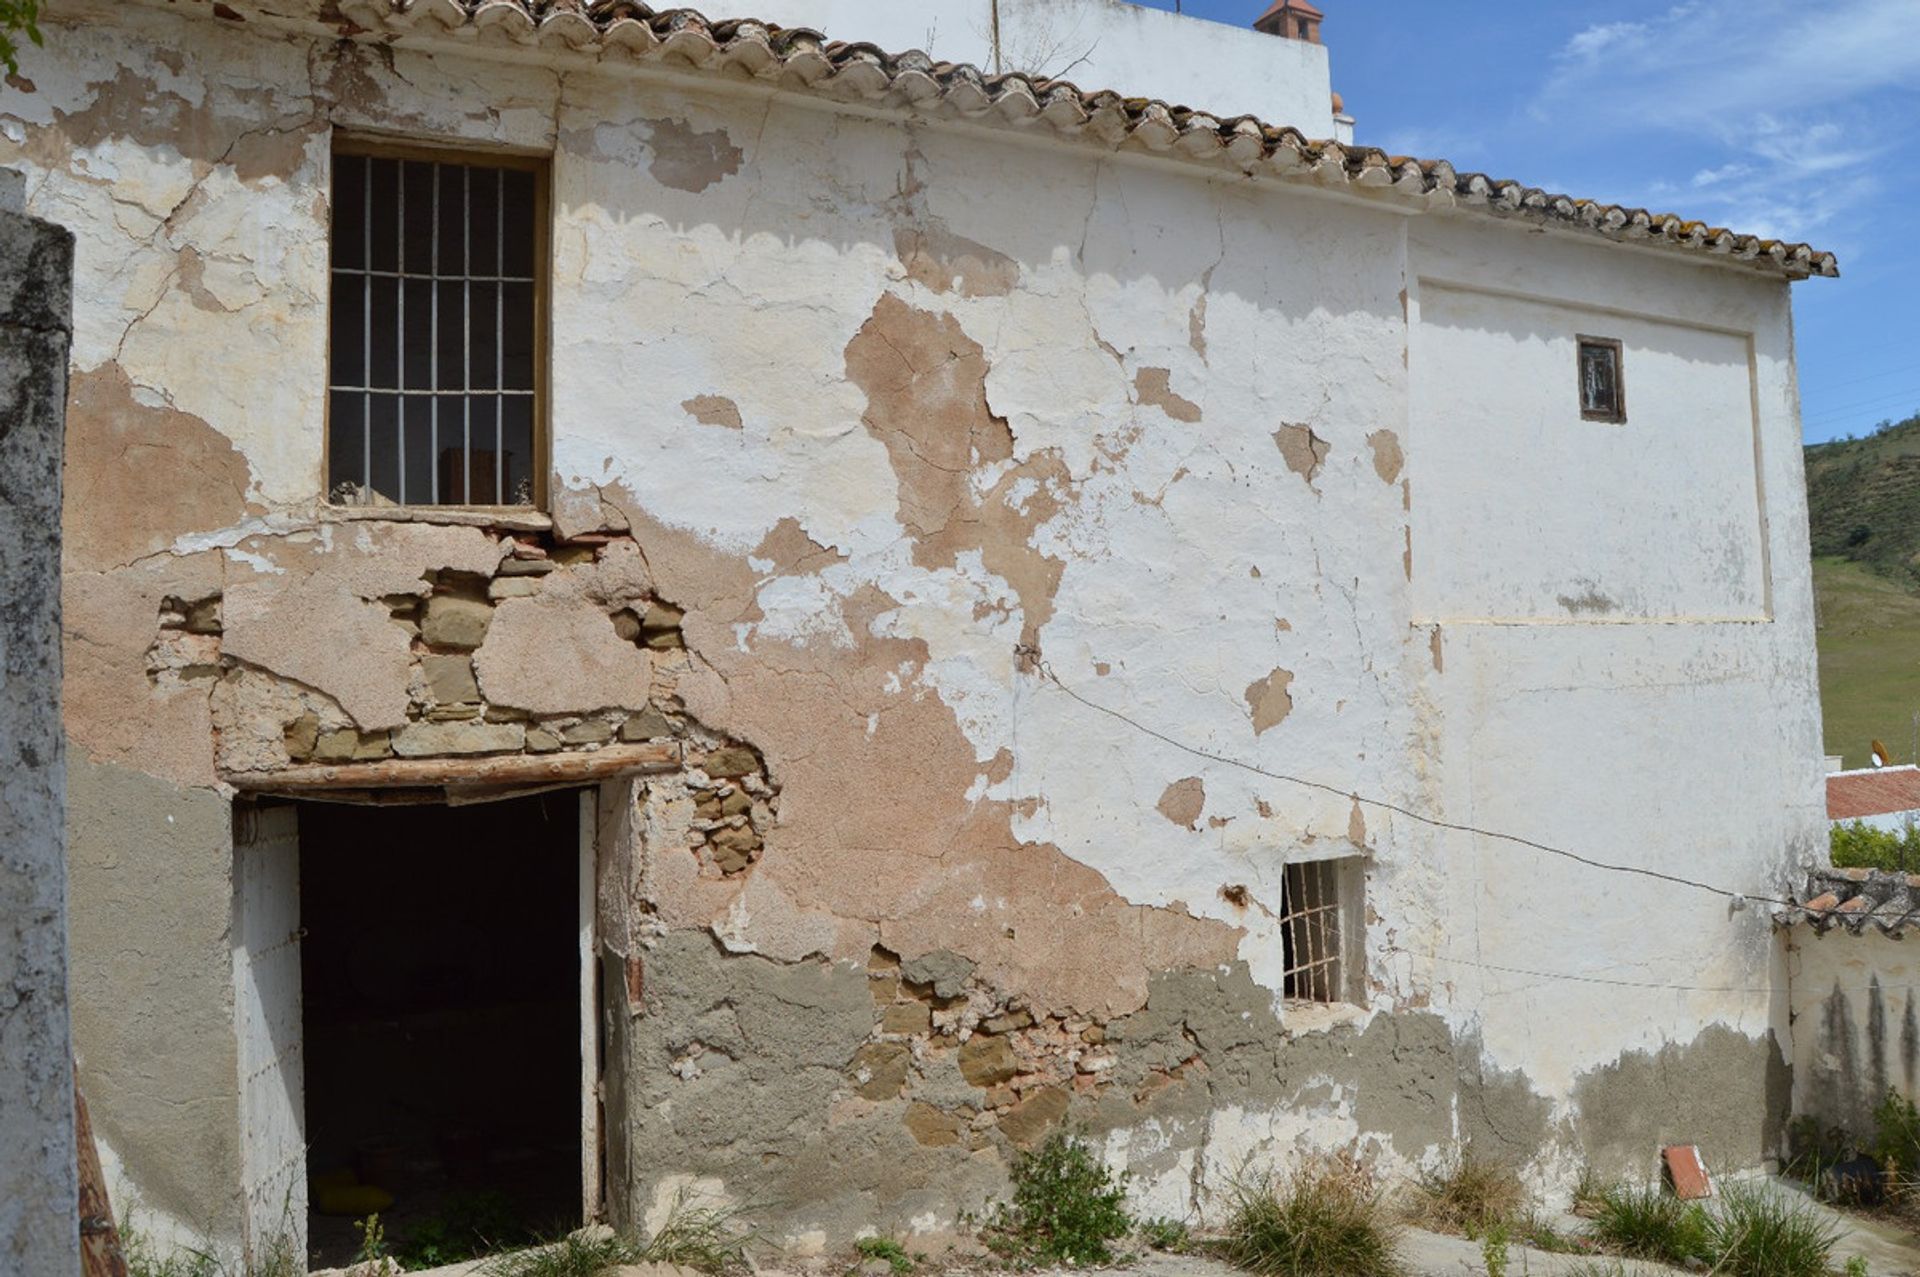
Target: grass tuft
1470, 1197
1648, 1223
1067, 1208
887, 1250
1325, 1221
578, 1255
699, 1236
1755, 1232
1169, 1235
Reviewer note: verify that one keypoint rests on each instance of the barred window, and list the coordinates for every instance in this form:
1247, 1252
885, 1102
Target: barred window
434, 378
1314, 928
1603, 383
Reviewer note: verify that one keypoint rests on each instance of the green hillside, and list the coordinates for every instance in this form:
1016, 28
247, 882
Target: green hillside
1863, 497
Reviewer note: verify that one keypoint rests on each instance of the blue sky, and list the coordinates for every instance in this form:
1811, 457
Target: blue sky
1787, 119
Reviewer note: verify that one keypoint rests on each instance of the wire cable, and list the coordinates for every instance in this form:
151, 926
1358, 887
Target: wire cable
1046, 672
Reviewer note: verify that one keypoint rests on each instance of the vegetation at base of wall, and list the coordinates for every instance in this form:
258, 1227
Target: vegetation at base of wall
1896, 1138
1470, 1196
1493, 1251
145, 1258
1067, 1207
1755, 1232
1649, 1223
698, 1235
1169, 1235
1327, 1220
888, 1251
1856, 845
1750, 1231
578, 1255
17, 18
695, 1235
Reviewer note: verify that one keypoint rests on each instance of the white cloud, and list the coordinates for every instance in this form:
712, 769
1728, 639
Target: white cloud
1765, 114
1592, 44
1735, 57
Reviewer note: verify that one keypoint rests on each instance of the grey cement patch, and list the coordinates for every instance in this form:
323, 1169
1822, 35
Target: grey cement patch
150, 867
741, 1070
1724, 1091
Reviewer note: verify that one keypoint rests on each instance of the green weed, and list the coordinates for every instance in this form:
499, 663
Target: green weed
1753, 1232
1493, 1250
1325, 1221
1169, 1235
1647, 1223
578, 1255
1067, 1207
885, 1248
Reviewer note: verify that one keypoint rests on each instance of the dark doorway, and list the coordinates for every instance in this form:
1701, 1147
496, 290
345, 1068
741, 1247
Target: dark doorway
440, 973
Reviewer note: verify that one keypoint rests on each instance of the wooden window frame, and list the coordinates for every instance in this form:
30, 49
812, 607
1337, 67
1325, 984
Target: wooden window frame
1618, 417
455, 152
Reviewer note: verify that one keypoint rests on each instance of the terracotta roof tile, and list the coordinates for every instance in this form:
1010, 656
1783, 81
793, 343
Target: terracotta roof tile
1853, 900
1882, 792
801, 60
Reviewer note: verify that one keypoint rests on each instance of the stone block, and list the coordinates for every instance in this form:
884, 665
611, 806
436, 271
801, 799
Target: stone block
907, 1017
931, 1127
1008, 1022
880, 1070
349, 746
730, 763
454, 621
1029, 1121
594, 731
302, 735
627, 625
735, 849
648, 724
542, 741
513, 587
660, 627
987, 1061
428, 740
450, 679
517, 566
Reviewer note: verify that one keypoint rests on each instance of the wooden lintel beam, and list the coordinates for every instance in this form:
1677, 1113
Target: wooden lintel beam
416, 773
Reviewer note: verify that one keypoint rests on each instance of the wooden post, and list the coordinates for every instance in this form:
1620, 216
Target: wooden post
99, 1238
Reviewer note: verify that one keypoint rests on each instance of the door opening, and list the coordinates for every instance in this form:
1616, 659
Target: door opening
443, 1037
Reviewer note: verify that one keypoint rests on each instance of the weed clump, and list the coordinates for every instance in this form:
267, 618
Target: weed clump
1327, 1220
1647, 1223
1757, 1233
1169, 1235
1751, 1231
888, 1251
577, 1255
1067, 1207
1470, 1197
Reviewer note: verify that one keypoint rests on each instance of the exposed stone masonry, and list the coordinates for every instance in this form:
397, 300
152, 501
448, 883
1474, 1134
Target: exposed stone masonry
449, 713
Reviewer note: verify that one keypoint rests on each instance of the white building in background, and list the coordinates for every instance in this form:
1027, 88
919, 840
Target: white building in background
815, 615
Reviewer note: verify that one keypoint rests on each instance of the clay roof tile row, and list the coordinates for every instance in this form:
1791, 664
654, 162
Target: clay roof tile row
798, 59
1855, 899
1884, 792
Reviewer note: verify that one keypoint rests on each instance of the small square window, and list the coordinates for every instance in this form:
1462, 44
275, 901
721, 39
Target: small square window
435, 380
1317, 909
1603, 384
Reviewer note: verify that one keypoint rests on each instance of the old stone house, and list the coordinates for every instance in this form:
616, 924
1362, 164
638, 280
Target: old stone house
657, 603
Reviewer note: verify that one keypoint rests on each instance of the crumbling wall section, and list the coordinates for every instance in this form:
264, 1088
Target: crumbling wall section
39, 1226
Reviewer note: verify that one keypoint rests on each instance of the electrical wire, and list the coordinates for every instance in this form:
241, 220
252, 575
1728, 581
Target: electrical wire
1046, 672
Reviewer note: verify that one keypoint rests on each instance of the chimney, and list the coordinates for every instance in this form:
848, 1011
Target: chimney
1291, 20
